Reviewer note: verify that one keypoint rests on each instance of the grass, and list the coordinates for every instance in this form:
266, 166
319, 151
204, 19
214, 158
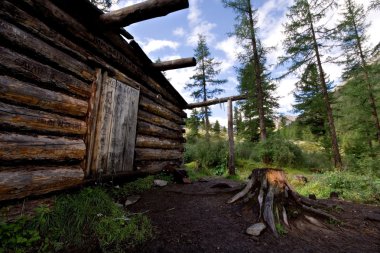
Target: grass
87, 220
351, 186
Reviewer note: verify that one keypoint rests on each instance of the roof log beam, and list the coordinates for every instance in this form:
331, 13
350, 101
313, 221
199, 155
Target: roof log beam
175, 64
142, 11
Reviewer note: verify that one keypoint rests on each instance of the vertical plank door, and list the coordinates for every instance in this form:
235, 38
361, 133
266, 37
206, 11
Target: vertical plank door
115, 135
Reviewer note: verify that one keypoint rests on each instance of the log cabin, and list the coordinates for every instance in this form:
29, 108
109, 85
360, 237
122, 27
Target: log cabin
79, 99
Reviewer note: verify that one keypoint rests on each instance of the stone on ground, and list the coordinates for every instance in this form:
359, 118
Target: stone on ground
160, 183
256, 229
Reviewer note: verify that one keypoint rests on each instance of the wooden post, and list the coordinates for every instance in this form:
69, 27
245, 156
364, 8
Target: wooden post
231, 153
142, 11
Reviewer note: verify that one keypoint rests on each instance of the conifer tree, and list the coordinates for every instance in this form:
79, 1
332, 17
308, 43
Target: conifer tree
306, 36
204, 83
216, 128
192, 123
374, 5
246, 33
352, 36
309, 102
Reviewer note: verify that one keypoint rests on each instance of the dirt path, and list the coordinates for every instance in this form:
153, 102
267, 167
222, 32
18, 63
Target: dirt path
195, 218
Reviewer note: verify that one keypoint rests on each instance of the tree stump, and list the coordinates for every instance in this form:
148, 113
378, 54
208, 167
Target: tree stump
272, 198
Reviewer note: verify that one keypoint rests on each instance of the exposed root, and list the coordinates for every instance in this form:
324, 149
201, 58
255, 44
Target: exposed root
269, 188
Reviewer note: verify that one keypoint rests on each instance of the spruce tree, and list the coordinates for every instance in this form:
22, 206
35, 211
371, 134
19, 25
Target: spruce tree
352, 36
204, 83
216, 128
246, 33
306, 37
310, 103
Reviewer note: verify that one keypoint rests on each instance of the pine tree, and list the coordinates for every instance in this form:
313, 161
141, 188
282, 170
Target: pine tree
305, 38
246, 33
204, 83
216, 128
251, 122
192, 123
352, 36
310, 104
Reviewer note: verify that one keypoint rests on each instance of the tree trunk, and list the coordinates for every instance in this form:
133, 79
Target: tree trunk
269, 191
258, 79
330, 118
231, 153
372, 100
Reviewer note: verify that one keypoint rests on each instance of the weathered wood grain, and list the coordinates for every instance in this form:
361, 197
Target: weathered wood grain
98, 45
21, 182
37, 47
145, 154
152, 107
155, 166
116, 128
143, 141
175, 64
32, 24
20, 65
159, 121
14, 90
25, 147
92, 117
142, 11
145, 128
39, 121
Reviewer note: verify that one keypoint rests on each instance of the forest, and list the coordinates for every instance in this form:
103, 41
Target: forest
308, 181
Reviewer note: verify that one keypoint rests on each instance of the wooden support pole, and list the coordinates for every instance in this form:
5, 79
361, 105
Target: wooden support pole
142, 11
217, 101
231, 152
175, 64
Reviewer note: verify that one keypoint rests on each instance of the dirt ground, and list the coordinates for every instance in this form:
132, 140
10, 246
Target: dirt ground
195, 218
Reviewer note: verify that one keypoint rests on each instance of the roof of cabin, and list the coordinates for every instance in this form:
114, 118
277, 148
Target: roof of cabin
88, 15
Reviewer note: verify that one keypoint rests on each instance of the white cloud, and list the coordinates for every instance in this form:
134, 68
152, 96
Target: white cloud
180, 32
203, 28
231, 49
154, 45
194, 12
179, 78
198, 25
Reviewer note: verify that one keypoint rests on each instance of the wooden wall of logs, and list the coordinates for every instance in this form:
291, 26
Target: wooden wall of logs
53, 68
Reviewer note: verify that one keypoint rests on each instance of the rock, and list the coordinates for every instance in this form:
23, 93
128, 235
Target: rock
256, 229
312, 196
313, 221
160, 183
131, 200
119, 205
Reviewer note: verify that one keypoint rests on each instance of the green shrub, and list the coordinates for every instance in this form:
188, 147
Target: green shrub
208, 155
278, 151
18, 236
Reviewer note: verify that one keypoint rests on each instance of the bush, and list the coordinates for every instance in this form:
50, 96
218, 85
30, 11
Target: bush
208, 155
278, 151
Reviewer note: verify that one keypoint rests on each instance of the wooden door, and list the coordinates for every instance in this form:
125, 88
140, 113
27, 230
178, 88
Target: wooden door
115, 135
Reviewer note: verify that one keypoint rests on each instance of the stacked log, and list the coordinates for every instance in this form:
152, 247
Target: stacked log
51, 70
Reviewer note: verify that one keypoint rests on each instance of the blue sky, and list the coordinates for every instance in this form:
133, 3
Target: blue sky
175, 36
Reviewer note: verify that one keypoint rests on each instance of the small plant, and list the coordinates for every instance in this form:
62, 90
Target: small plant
18, 236
280, 229
136, 187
